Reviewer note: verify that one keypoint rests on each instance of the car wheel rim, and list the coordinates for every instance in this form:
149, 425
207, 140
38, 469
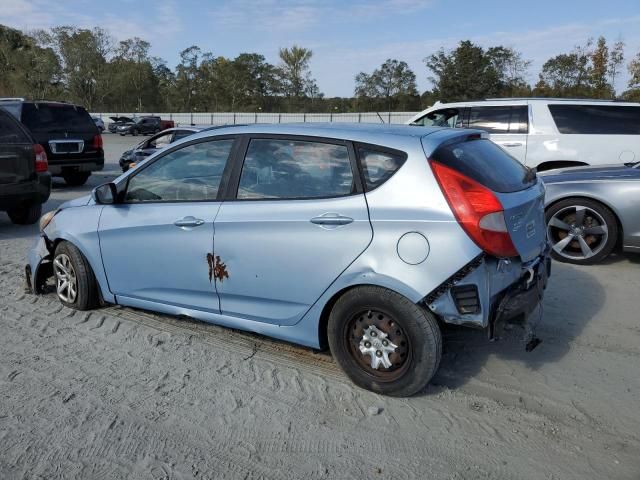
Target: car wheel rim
378, 344
577, 232
66, 280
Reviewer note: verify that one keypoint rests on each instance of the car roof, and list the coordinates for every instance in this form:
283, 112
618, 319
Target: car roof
338, 130
525, 100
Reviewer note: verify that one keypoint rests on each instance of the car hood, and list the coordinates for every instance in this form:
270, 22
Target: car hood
76, 202
604, 172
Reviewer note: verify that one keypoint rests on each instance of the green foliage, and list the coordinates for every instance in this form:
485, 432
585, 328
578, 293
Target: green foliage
89, 67
471, 73
390, 87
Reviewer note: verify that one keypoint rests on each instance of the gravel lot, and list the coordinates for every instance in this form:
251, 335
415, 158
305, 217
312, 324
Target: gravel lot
124, 394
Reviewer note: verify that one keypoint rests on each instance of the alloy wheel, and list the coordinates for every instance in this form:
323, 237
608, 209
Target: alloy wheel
66, 280
577, 232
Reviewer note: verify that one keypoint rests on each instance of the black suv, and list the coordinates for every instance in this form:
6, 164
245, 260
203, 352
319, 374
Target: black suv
143, 125
68, 134
25, 183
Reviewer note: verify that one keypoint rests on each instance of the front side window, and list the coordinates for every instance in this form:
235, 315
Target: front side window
596, 119
295, 170
449, 117
191, 173
161, 141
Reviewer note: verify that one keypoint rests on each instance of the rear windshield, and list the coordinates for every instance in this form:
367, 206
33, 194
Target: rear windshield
57, 118
596, 119
486, 163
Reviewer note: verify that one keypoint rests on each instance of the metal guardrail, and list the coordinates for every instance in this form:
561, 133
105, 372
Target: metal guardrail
199, 118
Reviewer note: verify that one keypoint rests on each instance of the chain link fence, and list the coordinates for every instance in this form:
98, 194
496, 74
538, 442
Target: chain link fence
244, 118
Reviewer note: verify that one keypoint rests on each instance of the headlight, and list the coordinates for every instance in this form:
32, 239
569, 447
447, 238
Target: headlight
46, 219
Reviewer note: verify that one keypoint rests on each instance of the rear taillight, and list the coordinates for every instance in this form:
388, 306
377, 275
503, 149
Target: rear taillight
42, 165
477, 209
97, 142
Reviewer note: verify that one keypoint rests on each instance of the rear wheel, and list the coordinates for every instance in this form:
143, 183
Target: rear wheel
581, 231
76, 179
76, 284
384, 342
25, 214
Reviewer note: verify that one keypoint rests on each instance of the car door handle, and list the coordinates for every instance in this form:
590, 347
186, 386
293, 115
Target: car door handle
512, 144
188, 222
334, 219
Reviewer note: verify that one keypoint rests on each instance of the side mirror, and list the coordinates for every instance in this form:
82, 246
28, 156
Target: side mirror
105, 194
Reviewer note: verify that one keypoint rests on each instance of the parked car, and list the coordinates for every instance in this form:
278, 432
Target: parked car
547, 133
70, 138
25, 183
153, 144
99, 123
144, 125
117, 121
590, 211
359, 236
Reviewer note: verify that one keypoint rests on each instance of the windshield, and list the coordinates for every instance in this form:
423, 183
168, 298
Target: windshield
448, 117
45, 117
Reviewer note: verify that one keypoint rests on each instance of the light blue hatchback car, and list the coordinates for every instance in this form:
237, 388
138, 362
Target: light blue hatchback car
362, 237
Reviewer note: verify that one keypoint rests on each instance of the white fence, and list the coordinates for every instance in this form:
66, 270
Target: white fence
243, 118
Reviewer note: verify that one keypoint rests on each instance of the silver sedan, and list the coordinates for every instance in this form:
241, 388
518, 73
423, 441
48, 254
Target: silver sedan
590, 211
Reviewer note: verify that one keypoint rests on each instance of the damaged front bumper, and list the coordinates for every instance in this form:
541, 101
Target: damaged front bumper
39, 267
489, 291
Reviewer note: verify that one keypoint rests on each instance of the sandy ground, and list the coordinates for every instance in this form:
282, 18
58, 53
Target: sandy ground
124, 394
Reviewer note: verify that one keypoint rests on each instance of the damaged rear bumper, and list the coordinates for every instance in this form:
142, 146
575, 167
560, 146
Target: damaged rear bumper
39, 267
488, 291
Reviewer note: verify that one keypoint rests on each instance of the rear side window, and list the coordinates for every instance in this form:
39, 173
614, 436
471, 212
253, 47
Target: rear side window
280, 169
10, 131
486, 163
378, 166
596, 119
500, 119
57, 118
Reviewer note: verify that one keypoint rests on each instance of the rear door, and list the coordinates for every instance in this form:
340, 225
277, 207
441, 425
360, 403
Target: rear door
507, 126
16, 151
297, 221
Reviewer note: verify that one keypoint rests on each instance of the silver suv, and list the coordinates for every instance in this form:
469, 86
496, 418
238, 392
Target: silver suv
364, 237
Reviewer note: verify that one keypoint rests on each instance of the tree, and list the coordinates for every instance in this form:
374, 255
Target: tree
470, 73
633, 93
392, 81
600, 69
616, 59
295, 74
188, 78
567, 74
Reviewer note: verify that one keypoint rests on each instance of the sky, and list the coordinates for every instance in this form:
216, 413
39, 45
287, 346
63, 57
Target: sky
346, 37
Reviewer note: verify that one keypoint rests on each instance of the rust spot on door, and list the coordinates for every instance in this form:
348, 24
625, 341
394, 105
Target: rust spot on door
217, 268
220, 270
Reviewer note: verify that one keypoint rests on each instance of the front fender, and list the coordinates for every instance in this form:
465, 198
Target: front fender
79, 226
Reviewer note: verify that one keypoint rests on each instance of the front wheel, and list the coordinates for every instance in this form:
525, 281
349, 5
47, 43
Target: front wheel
581, 231
384, 342
76, 284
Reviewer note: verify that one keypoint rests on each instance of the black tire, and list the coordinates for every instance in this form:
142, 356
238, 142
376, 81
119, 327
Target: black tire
415, 331
25, 214
75, 179
86, 286
134, 132
563, 220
